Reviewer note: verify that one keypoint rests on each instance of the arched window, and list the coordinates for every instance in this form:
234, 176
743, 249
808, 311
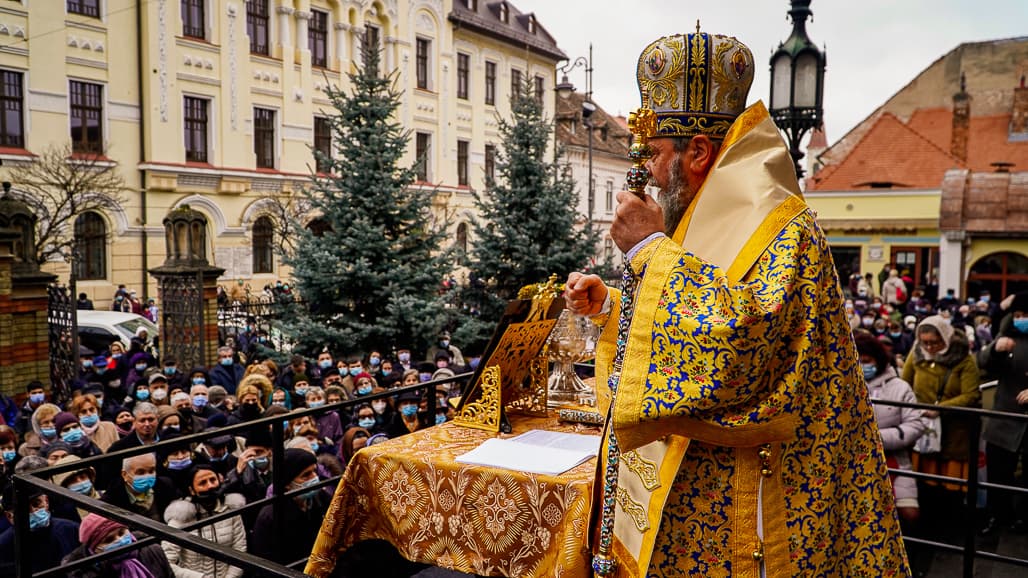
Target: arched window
998, 273
263, 239
319, 227
462, 238
90, 258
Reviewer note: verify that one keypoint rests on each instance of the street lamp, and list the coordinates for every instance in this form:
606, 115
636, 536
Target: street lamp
797, 83
564, 90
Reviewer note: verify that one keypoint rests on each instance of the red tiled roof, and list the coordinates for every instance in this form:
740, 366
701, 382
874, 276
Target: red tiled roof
890, 152
988, 141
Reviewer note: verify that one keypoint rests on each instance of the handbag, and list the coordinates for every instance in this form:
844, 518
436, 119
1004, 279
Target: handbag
930, 441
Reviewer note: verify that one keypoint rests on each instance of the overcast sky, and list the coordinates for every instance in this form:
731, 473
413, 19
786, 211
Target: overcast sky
874, 47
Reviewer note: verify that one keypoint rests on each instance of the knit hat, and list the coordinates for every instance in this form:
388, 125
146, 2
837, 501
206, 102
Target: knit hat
296, 461
216, 394
52, 447
217, 420
100, 361
95, 528
164, 412
64, 418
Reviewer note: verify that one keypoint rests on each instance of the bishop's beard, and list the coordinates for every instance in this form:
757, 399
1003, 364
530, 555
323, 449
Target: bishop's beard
671, 199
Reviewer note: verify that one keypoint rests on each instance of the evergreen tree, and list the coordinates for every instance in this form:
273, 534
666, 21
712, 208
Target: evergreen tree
528, 227
370, 272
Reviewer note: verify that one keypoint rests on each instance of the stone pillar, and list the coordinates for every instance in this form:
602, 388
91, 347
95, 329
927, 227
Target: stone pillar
342, 46
187, 287
283, 28
302, 43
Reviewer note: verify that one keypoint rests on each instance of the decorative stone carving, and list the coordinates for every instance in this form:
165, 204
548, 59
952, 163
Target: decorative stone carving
162, 59
233, 72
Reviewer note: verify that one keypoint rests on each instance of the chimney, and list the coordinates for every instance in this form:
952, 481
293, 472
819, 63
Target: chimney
961, 121
1019, 114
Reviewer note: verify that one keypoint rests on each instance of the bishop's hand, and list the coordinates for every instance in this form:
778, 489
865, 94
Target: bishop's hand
585, 294
635, 219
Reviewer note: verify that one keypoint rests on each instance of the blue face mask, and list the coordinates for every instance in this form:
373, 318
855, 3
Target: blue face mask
315, 403
308, 495
140, 367
48, 432
301, 390
424, 377
72, 436
9, 456
895, 335
170, 370
440, 418
180, 464
363, 389
199, 401
260, 463
126, 539
142, 394
39, 519
404, 357
366, 422
314, 447
199, 381
374, 360
325, 363
1021, 324
143, 484
116, 355
37, 398
84, 487
101, 370
87, 364
221, 458
870, 370
409, 410
355, 371
473, 364
226, 361
89, 420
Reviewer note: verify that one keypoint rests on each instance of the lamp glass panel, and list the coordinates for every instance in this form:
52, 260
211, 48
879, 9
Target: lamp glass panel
781, 79
805, 90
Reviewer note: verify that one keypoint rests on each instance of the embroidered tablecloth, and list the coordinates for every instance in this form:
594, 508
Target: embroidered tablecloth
486, 521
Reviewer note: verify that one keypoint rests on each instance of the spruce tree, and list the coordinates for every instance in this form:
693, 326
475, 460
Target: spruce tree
369, 275
528, 227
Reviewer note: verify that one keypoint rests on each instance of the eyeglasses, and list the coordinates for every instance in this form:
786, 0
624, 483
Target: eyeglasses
932, 343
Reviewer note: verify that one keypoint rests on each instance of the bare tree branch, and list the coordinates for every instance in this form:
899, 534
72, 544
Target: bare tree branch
61, 186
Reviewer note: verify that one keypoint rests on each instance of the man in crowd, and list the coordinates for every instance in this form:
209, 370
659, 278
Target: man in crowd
737, 374
227, 373
139, 489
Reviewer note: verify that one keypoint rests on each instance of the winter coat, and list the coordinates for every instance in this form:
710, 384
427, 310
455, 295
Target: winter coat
889, 291
227, 532
151, 556
1010, 369
960, 390
46, 545
272, 542
900, 426
227, 377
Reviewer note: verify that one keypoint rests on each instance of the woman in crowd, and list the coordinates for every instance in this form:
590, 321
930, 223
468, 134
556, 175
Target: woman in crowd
384, 411
249, 395
302, 516
176, 462
9, 447
279, 396
410, 377
87, 409
79, 481
43, 430
406, 419
70, 430
123, 421
355, 438
205, 499
138, 364
328, 423
98, 534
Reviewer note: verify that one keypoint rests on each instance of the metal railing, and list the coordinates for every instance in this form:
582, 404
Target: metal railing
39, 481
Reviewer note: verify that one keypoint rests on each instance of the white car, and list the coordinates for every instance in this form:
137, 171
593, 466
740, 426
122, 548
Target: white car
98, 329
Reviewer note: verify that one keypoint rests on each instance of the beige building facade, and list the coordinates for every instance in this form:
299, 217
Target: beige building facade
218, 103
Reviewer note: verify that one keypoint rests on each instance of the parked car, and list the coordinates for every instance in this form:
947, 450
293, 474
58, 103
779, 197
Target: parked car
98, 329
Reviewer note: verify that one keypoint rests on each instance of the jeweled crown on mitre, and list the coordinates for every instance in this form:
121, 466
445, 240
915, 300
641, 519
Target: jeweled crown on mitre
695, 83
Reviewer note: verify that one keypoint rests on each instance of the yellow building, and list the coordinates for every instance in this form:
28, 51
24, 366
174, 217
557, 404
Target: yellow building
218, 103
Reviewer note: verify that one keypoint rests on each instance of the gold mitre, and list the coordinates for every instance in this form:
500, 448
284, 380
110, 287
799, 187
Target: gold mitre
695, 83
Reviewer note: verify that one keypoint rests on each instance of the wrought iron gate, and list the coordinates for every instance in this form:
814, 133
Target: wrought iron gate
183, 327
63, 337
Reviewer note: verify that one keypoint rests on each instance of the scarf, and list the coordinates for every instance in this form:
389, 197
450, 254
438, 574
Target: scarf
131, 568
945, 331
89, 431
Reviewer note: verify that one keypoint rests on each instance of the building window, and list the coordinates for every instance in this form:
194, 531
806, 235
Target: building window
608, 249
490, 83
87, 111
194, 115
462, 238
257, 26
463, 66
531, 24
12, 129
264, 137
322, 144
471, 5
263, 250
515, 82
84, 7
193, 19
422, 148
462, 162
317, 38
504, 12
421, 61
319, 226
540, 88
371, 38
490, 162
610, 196
90, 260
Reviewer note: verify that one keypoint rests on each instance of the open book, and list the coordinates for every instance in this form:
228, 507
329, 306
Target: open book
535, 452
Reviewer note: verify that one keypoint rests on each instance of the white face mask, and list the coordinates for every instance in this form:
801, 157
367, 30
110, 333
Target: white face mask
378, 405
159, 394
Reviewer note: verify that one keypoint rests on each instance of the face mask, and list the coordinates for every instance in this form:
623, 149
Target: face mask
444, 343
409, 410
474, 363
226, 361
280, 402
314, 447
199, 401
404, 357
355, 371
170, 370
180, 464
440, 418
208, 499
325, 363
174, 427
160, 394
116, 355
867, 321
308, 495
48, 432
363, 389
84, 487
315, 403
1021, 324
222, 457
249, 409
378, 405
9, 456
37, 398
870, 370
424, 377
985, 298
101, 370
366, 422
199, 381
260, 463
39, 519
375, 360
72, 436
142, 394
262, 339
302, 390
87, 364
140, 367
895, 335
143, 484
126, 539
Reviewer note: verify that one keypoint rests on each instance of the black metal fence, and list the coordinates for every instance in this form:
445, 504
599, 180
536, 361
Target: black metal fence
62, 337
255, 314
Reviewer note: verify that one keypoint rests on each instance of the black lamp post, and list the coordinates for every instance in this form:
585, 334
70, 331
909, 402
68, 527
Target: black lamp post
797, 83
564, 90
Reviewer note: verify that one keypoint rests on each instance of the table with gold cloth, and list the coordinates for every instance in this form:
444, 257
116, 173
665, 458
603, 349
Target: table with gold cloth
411, 492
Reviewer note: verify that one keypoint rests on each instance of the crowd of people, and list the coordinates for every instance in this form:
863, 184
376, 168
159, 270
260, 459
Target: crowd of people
127, 397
